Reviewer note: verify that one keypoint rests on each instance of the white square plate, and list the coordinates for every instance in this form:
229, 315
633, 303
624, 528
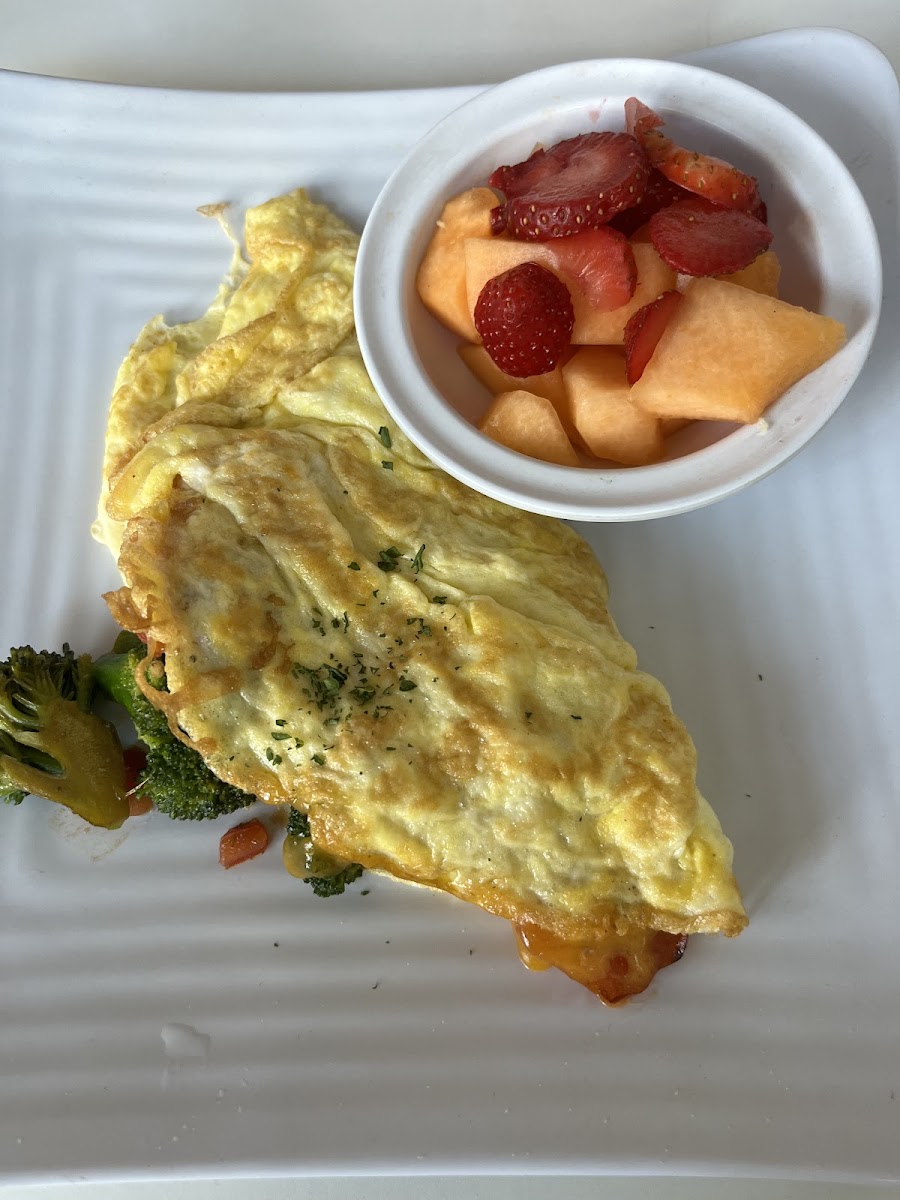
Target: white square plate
158, 1016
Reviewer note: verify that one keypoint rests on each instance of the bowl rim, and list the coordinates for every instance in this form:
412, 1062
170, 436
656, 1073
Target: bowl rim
451, 441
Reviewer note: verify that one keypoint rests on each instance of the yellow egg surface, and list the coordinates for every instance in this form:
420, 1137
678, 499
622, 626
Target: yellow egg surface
433, 676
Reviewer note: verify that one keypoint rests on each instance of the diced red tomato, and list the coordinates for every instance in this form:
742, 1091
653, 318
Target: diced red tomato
242, 842
135, 761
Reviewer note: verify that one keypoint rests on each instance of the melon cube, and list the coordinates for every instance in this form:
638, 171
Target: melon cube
531, 425
762, 275
550, 385
672, 425
487, 257
599, 406
728, 352
441, 278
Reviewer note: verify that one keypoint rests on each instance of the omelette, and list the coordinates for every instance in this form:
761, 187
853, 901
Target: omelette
433, 677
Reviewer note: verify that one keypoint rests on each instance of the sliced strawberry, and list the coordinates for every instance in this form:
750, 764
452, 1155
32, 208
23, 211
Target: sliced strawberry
660, 193
712, 178
578, 184
498, 219
718, 181
521, 177
760, 211
524, 318
601, 263
639, 118
643, 331
697, 238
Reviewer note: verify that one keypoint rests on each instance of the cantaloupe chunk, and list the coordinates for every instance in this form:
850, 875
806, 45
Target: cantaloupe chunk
600, 407
441, 278
486, 371
762, 275
728, 352
487, 257
670, 425
531, 425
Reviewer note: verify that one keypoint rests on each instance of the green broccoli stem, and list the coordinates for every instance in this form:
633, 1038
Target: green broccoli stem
176, 778
51, 745
114, 674
93, 781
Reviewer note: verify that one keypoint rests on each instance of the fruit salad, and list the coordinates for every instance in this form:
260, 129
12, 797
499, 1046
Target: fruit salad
614, 287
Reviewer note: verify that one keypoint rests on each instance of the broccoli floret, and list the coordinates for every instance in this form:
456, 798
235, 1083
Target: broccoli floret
333, 885
175, 778
51, 745
301, 859
297, 823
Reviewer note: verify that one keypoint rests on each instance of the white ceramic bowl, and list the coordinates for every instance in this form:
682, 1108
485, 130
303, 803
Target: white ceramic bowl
824, 236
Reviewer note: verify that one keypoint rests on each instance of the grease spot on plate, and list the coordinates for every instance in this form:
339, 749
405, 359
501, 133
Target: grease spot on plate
96, 844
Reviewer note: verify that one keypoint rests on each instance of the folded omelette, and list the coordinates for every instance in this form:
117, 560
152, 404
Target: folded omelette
432, 676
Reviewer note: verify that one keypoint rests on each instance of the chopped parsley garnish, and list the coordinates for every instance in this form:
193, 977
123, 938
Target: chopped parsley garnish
317, 758
385, 434
575, 717
438, 599
354, 566
338, 689
280, 736
324, 683
388, 466
387, 559
280, 722
417, 561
